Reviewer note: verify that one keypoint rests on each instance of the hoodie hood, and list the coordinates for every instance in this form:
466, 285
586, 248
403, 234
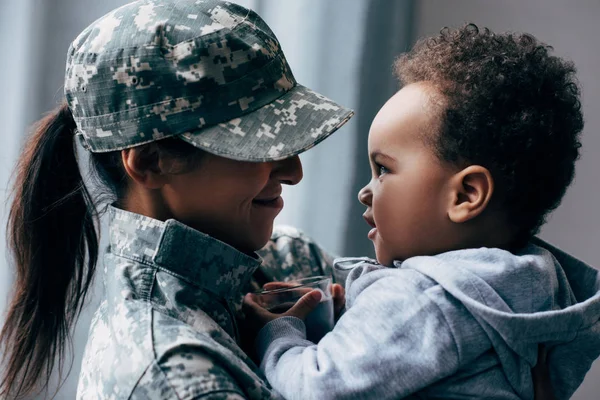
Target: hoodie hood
540, 295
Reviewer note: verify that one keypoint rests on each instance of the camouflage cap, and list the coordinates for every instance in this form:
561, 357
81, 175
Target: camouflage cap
209, 72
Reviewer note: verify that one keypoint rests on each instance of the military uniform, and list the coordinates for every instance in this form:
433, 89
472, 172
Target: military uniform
167, 328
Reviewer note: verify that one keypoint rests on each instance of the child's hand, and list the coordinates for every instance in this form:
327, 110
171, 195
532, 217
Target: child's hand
258, 317
337, 292
339, 299
255, 316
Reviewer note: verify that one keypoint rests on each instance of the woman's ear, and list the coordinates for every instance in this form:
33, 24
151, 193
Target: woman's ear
144, 166
472, 190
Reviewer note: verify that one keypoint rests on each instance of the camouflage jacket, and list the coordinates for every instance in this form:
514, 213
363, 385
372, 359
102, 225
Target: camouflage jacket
167, 327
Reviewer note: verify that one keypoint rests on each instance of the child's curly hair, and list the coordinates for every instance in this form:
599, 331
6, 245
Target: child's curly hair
508, 105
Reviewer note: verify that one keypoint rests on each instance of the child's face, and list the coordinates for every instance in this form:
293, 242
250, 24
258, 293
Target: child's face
409, 192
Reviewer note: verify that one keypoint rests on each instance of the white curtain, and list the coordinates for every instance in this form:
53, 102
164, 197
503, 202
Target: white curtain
14, 18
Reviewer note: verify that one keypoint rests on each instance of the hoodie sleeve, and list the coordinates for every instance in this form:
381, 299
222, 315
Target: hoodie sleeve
393, 341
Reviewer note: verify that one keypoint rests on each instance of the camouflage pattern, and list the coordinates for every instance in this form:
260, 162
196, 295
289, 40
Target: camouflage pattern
167, 328
290, 255
209, 72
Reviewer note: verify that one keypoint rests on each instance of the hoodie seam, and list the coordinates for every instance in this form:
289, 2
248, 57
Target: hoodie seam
581, 327
577, 331
479, 294
457, 348
531, 278
469, 280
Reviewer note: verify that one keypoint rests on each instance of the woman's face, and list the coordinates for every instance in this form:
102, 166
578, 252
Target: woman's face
233, 201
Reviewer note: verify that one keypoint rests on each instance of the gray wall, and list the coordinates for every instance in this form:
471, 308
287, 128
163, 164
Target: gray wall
572, 28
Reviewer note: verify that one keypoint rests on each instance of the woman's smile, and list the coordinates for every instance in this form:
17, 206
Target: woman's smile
275, 203
269, 199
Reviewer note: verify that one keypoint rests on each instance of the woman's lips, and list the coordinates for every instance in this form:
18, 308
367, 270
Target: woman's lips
273, 202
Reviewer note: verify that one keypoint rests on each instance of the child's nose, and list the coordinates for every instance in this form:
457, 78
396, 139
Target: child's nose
365, 195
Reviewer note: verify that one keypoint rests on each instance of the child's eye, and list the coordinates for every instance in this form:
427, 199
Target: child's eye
381, 170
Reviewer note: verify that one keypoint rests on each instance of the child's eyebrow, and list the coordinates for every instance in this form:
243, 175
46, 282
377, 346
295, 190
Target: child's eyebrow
379, 155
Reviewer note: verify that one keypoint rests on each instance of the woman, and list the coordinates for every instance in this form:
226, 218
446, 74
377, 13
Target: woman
194, 122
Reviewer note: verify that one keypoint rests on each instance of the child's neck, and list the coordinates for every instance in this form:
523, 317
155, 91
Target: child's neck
491, 231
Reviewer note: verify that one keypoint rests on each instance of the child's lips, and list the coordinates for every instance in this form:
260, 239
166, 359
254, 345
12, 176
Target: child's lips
369, 220
372, 233
371, 223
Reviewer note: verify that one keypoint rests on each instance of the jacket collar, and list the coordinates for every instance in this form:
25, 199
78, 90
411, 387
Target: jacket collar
200, 259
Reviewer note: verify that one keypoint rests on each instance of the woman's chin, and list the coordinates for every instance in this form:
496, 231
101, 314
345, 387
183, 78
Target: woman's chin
259, 237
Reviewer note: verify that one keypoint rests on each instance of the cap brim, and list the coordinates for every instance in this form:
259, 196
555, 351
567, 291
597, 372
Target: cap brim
288, 126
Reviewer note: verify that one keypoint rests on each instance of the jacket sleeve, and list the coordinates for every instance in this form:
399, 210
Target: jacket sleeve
187, 372
392, 342
221, 396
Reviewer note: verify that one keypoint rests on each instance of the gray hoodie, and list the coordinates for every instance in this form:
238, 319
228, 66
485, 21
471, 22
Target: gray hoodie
463, 324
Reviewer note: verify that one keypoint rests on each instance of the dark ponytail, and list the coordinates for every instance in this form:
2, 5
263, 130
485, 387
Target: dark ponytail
52, 236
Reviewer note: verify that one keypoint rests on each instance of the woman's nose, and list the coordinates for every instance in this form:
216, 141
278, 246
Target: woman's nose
365, 196
289, 170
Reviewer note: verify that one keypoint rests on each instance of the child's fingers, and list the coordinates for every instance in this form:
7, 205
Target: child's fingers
254, 310
339, 298
305, 305
248, 304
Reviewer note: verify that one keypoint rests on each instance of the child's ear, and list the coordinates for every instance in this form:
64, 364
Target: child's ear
472, 190
144, 166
